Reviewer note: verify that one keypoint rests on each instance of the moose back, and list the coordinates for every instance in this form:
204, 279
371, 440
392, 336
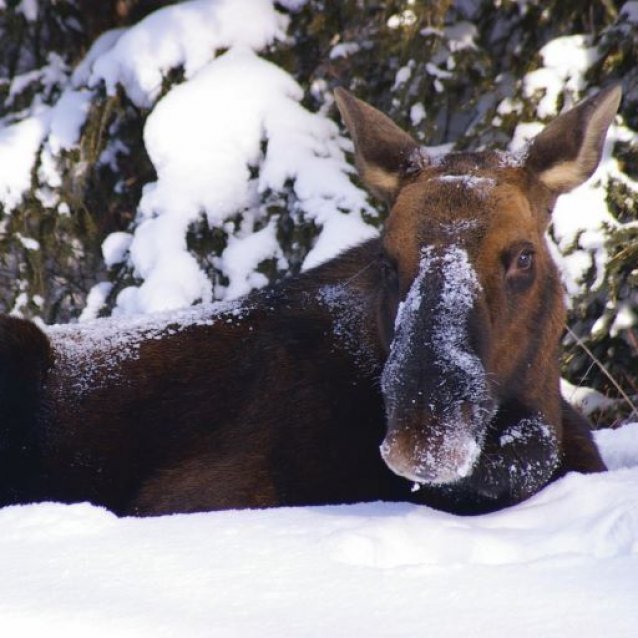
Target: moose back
427, 358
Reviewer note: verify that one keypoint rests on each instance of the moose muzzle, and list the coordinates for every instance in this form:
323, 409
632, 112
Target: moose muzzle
437, 398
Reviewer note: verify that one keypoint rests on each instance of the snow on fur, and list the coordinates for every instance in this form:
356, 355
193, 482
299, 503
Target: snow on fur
438, 332
346, 307
91, 352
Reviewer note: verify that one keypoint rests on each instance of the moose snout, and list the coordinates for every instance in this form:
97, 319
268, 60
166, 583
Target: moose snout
437, 459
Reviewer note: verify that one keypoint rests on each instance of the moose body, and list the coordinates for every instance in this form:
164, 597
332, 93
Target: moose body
427, 357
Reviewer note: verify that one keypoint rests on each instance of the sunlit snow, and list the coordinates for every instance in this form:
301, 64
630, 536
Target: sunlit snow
561, 565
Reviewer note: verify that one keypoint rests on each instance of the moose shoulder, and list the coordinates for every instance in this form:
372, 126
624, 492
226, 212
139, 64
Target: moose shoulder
428, 357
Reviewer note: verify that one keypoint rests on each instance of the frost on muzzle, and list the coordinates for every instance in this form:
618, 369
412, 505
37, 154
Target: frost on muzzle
435, 386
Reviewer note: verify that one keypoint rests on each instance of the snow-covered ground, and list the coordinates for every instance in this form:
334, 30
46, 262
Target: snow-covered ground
562, 564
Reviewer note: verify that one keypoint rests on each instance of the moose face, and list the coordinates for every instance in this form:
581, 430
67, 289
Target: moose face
470, 308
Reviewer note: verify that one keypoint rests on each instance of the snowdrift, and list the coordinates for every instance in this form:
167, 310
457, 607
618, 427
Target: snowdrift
564, 563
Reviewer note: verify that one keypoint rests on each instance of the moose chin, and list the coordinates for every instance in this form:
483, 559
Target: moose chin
425, 358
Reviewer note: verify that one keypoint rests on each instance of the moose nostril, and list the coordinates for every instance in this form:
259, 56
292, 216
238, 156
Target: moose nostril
436, 463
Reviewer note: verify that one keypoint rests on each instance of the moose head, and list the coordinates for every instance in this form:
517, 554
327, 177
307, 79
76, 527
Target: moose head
471, 308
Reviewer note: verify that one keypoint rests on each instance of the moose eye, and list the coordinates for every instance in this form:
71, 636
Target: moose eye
525, 259
519, 266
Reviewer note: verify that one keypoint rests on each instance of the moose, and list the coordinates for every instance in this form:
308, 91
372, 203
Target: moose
421, 366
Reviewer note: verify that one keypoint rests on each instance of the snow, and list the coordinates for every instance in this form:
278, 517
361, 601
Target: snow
343, 50
243, 255
561, 565
187, 34
402, 76
417, 113
584, 399
28, 242
67, 118
434, 70
95, 301
18, 145
587, 229
629, 12
202, 142
406, 18
565, 62
340, 231
29, 9
230, 133
115, 247
582, 218
461, 36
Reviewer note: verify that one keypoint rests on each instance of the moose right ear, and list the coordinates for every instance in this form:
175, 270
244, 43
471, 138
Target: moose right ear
568, 149
382, 150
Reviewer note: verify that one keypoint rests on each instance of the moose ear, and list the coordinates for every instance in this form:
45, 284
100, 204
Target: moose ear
568, 150
382, 150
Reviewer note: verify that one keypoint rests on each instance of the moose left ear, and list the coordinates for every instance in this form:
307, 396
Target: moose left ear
381, 149
566, 153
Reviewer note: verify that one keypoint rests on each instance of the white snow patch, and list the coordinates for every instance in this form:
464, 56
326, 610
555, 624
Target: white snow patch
619, 447
625, 318
340, 231
292, 5
582, 216
461, 36
344, 50
402, 76
566, 60
29, 9
523, 134
28, 242
95, 301
243, 255
67, 118
187, 34
585, 400
19, 144
405, 18
417, 113
438, 73
102, 45
115, 248
629, 12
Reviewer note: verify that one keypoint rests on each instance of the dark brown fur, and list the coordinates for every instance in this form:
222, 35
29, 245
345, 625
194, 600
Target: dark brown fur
283, 406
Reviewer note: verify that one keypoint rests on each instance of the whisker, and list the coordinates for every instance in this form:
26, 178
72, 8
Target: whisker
359, 272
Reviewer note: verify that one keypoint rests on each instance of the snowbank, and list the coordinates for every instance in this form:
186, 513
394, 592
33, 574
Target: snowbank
561, 564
